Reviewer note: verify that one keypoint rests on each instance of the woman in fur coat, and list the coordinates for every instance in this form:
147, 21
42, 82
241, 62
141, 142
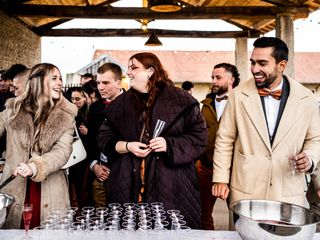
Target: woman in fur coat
39, 127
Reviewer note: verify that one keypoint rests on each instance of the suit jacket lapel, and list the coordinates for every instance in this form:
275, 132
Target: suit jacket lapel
289, 116
283, 101
253, 107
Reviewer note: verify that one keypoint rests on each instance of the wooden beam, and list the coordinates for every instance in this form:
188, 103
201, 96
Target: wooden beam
61, 21
243, 27
262, 24
281, 3
107, 2
99, 12
15, 1
140, 33
49, 25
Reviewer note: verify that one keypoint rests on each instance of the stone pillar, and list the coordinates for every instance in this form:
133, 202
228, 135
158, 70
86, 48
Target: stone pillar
241, 57
285, 31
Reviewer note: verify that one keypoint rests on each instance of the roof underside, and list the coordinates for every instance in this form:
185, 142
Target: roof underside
253, 17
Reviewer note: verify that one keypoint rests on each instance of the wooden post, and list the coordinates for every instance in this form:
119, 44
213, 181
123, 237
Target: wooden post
241, 58
285, 31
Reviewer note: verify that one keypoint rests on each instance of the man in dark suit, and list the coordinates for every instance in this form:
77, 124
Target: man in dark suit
109, 77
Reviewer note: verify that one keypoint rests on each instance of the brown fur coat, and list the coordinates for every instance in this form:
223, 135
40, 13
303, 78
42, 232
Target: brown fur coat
52, 152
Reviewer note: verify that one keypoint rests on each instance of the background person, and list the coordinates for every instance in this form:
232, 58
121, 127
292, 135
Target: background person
188, 86
86, 78
225, 77
77, 172
7, 79
313, 193
269, 133
91, 92
20, 82
39, 126
109, 77
154, 169
11, 73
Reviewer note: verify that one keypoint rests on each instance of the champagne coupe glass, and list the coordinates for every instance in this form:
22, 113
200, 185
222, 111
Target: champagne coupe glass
102, 213
27, 215
292, 152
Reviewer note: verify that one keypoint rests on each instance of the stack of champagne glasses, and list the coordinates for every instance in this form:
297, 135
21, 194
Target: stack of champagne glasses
116, 221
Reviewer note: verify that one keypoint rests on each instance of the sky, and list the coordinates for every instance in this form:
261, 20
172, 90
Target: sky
72, 53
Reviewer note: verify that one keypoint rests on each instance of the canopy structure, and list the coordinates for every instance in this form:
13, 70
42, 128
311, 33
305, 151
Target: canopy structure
254, 17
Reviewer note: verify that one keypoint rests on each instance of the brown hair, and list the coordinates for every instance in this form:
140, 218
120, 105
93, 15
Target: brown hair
114, 68
157, 80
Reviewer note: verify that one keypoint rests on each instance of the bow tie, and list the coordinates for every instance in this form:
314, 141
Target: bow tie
276, 94
225, 97
106, 102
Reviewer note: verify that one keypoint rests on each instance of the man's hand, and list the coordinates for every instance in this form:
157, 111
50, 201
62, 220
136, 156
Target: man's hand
102, 172
220, 190
302, 162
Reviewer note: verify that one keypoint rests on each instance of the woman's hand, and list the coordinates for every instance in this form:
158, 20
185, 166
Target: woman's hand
158, 144
137, 148
23, 170
83, 129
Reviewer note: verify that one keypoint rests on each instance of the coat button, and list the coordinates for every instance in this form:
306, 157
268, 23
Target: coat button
45, 205
134, 170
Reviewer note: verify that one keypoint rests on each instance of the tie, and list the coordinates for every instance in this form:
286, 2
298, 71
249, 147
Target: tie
266, 92
106, 102
225, 97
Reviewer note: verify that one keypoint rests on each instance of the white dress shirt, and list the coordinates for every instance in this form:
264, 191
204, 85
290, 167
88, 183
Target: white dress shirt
272, 109
220, 106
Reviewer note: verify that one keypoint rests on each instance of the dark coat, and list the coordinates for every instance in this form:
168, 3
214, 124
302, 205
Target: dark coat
95, 118
210, 115
170, 177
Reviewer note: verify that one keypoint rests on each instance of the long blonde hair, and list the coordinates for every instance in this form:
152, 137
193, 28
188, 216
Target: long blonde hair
35, 99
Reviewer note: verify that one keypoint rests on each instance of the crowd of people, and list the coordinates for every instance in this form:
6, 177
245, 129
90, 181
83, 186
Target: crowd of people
254, 139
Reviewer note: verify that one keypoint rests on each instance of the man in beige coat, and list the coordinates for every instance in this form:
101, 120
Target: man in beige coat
266, 144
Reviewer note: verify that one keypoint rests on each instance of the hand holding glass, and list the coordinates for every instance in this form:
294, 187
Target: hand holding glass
292, 152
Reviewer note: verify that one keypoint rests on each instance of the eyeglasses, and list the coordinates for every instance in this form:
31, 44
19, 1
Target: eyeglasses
134, 67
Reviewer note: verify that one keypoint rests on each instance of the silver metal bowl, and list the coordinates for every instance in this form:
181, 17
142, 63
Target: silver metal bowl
5, 203
261, 219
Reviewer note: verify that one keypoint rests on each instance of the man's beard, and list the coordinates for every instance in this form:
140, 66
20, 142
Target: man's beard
269, 80
219, 90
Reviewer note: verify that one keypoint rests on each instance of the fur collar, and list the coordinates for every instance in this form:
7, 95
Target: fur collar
60, 120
